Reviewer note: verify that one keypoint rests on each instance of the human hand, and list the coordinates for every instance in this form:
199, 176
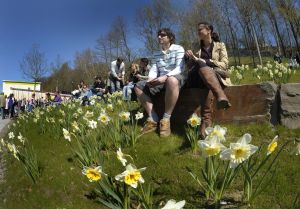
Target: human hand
157, 81
190, 54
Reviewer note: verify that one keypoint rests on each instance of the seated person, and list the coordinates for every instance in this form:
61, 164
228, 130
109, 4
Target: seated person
98, 87
166, 74
133, 79
57, 98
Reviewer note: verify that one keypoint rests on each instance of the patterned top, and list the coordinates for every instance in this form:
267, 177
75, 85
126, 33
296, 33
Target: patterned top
169, 62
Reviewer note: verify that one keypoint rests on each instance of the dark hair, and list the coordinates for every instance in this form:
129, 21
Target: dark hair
215, 36
120, 59
169, 33
145, 60
98, 78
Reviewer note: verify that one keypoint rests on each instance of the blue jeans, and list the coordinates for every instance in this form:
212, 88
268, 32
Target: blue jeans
115, 85
127, 91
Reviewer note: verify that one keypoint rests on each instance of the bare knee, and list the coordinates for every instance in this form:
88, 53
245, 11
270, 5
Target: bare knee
172, 82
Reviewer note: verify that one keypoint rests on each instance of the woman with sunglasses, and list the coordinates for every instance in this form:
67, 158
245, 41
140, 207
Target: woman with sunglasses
209, 71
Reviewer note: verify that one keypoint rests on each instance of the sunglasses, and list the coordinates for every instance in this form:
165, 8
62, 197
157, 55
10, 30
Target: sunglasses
161, 35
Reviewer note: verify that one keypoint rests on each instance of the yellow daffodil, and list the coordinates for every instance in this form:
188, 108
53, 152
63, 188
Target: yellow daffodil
211, 147
194, 120
124, 116
75, 126
273, 145
240, 151
103, 118
172, 204
67, 135
216, 132
131, 176
92, 124
120, 157
139, 115
93, 173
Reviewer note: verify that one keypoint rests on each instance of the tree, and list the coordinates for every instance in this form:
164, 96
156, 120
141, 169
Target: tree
33, 65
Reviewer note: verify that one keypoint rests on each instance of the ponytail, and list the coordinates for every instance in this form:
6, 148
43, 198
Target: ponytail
215, 37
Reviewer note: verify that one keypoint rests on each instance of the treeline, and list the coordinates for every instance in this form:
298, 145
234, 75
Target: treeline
254, 28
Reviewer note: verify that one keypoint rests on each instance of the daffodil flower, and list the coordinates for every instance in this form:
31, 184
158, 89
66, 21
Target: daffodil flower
92, 124
67, 135
110, 107
120, 157
297, 147
93, 174
139, 115
11, 135
124, 116
131, 176
89, 114
216, 132
172, 204
211, 147
103, 118
273, 145
239, 152
194, 120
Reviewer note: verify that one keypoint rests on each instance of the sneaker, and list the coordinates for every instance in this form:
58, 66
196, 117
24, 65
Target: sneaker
149, 126
164, 128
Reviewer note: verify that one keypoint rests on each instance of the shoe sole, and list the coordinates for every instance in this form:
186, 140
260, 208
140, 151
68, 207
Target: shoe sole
148, 131
223, 104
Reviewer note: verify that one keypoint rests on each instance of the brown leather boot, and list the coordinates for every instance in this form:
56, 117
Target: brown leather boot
206, 113
211, 81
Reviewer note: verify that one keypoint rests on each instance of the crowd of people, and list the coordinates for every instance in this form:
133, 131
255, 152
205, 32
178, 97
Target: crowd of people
11, 107
293, 59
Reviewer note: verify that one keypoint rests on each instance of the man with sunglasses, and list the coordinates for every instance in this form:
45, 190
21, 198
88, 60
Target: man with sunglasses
166, 74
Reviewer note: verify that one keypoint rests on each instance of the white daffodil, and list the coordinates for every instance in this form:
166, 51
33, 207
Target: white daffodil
35, 120
67, 135
211, 147
110, 107
172, 204
103, 118
240, 151
93, 173
120, 157
21, 138
79, 111
124, 116
75, 126
75, 115
139, 115
11, 135
194, 120
92, 102
62, 113
12, 148
89, 114
2, 142
52, 120
273, 145
92, 124
297, 147
216, 132
131, 176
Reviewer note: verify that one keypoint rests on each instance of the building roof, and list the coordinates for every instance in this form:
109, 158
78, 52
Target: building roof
20, 82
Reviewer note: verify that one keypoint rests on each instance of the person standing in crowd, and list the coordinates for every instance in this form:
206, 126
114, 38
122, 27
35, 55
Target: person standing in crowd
166, 74
116, 76
132, 80
11, 105
209, 71
3, 103
57, 98
277, 58
31, 103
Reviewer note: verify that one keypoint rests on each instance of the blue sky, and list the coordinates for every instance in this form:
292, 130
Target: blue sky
61, 27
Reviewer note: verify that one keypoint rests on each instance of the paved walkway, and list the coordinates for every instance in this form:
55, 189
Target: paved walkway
3, 124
